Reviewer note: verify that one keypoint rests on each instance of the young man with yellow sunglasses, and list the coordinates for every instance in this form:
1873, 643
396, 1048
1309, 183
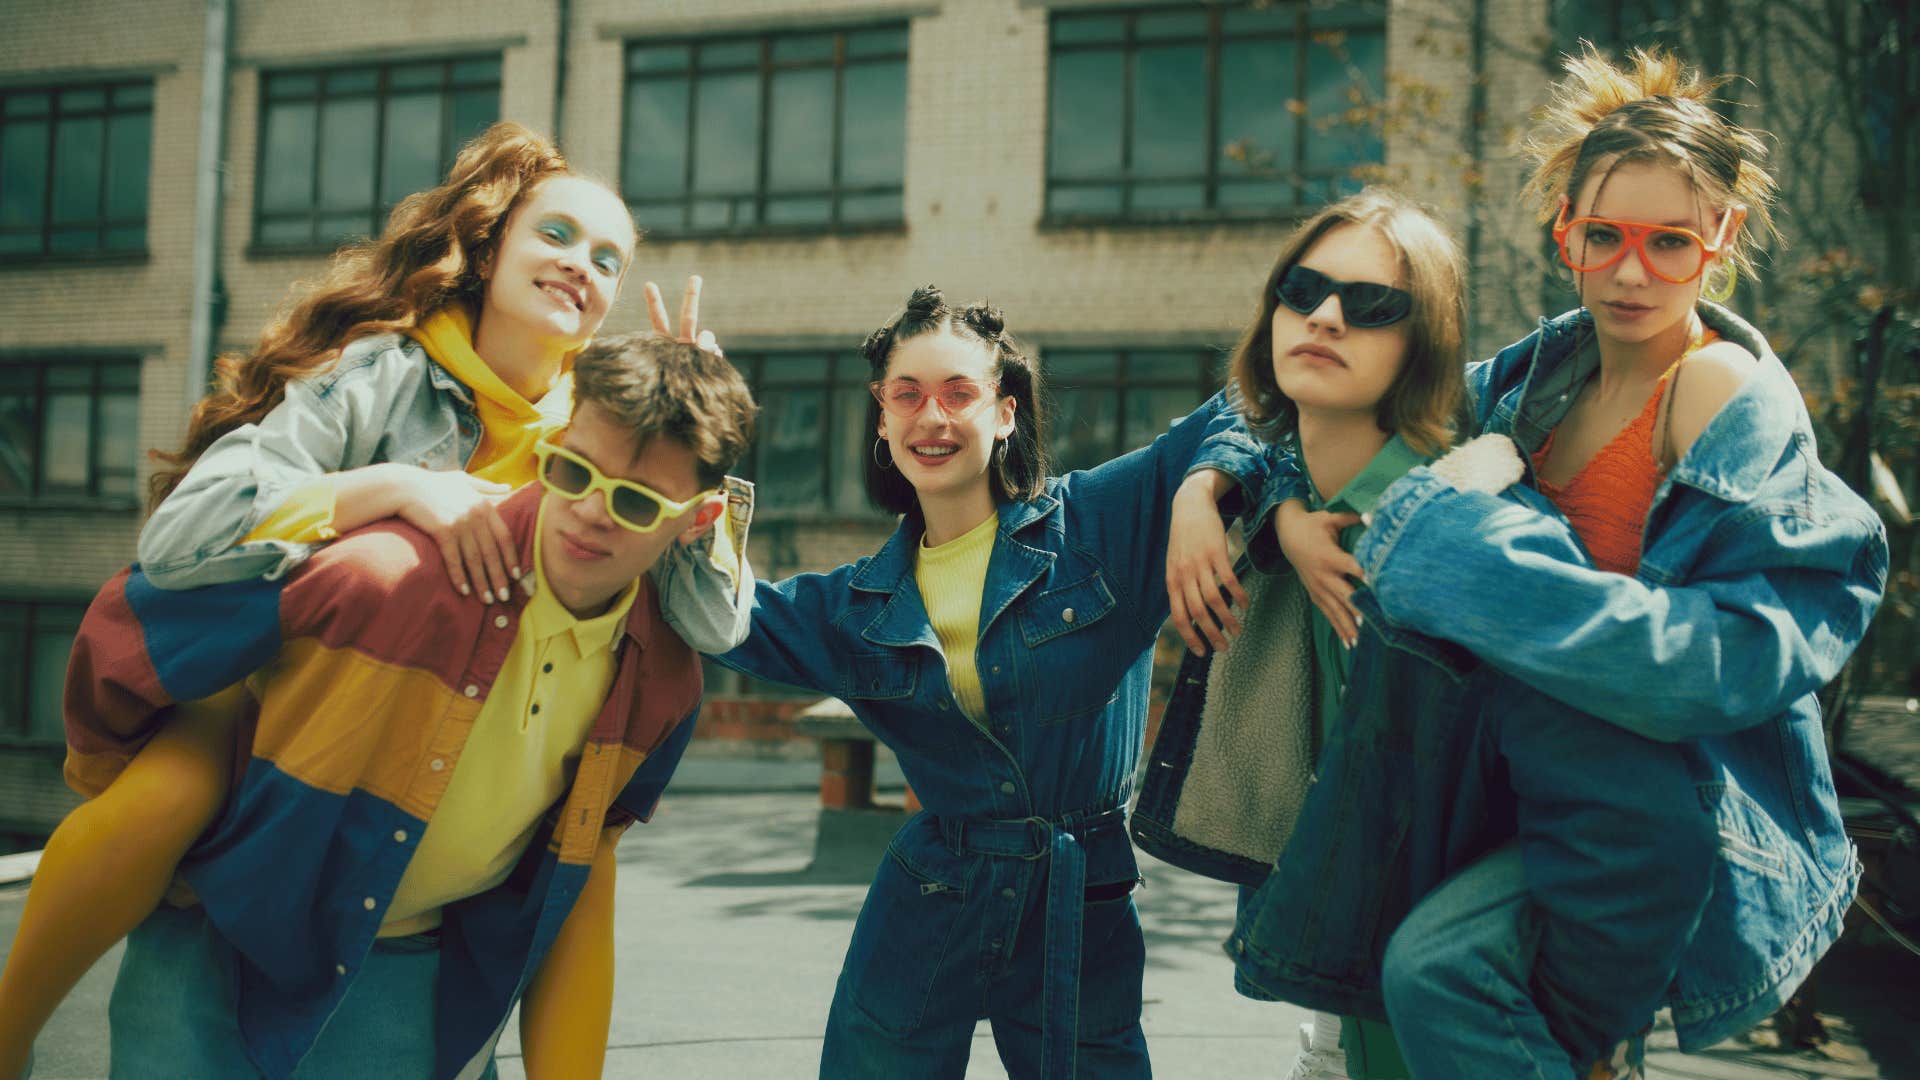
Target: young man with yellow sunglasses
413, 846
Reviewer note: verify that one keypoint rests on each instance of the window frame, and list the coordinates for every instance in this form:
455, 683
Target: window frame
1302, 37
645, 207
74, 607
102, 224
97, 389
752, 365
381, 93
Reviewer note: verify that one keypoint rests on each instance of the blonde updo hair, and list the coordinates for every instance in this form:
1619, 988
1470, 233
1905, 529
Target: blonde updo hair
1653, 108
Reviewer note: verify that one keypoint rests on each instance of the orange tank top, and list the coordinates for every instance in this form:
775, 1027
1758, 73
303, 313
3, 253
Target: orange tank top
1607, 501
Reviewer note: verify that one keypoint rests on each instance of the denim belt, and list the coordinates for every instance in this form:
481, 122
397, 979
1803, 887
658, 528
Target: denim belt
1038, 838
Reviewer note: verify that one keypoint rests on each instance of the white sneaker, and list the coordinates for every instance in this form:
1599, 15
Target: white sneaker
1316, 1062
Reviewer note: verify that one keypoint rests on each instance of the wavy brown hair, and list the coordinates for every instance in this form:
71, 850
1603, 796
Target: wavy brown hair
435, 248
1423, 404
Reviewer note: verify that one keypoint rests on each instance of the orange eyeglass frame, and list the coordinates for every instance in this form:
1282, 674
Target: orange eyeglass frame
1636, 234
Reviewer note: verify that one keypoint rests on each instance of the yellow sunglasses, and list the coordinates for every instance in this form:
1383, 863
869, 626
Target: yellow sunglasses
635, 506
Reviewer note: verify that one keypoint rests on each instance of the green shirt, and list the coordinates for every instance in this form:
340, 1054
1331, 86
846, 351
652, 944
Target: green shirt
1332, 663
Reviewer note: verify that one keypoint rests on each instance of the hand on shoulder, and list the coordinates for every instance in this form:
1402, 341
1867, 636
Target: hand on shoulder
1700, 388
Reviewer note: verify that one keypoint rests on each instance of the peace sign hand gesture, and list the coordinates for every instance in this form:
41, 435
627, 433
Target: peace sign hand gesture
690, 331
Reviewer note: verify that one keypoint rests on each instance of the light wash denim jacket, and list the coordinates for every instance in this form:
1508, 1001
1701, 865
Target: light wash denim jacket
384, 400
1028, 801
1759, 573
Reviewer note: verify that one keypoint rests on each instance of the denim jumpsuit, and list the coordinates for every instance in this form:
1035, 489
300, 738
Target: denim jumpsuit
1008, 897
1759, 574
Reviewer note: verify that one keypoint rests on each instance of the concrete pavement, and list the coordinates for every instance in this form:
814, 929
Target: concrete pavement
734, 912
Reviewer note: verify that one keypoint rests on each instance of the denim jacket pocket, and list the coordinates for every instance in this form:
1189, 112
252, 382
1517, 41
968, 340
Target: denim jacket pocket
1064, 610
880, 677
906, 929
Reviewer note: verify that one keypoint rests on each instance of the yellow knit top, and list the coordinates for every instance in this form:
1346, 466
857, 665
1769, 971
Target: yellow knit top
952, 578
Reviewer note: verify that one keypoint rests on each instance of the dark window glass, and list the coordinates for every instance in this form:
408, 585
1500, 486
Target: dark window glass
339, 148
781, 131
1176, 112
69, 428
810, 443
35, 641
73, 169
1107, 402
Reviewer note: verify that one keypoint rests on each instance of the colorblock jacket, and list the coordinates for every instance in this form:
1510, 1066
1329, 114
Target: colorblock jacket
372, 670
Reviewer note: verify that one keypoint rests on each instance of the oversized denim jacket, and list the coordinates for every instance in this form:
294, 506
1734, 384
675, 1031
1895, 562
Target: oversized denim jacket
1075, 593
384, 400
1758, 576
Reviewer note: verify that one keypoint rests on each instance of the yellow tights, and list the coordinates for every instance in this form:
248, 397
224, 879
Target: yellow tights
109, 863
569, 1005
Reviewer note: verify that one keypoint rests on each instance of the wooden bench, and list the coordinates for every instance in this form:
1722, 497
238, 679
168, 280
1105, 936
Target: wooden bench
846, 756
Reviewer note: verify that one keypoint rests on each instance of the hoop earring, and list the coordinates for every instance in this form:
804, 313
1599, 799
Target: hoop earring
1721, 296
999, 453
882, 465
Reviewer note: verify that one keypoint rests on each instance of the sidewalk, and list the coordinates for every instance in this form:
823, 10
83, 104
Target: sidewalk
732, 927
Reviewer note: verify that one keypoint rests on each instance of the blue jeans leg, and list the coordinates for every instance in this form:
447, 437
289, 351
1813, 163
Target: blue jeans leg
1109, 1043
857, 1048
1456, 979
1619, 856
173, 1010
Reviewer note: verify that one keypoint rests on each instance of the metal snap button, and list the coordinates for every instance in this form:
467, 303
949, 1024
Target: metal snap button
1066, 616
1006, 787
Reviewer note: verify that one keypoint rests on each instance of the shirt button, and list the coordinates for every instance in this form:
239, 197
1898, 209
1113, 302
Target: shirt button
996, 669
1066, 616
471, 690
399, 836
1007, 893
536, 710
1006, 787
500, 621
437, 764
998, 944
943, 706
369, 903
547, 668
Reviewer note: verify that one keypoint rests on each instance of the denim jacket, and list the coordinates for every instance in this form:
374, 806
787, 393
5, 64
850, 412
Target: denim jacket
384, 400
1759, 574
1074, 596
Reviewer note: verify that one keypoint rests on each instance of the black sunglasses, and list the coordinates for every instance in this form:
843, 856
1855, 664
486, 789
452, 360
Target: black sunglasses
1363, 303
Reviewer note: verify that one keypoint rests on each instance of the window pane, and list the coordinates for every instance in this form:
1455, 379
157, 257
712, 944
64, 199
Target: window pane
355, 81
730, 54
1070, 31
346, 153
794, 369
23, 175
474, 111
792, 433
72, 101
286, 161
1152, 411
890, 41
1076, 368
1170, 197
874, 136
871, 209
1104, 199
803, 48
1344, 72
133, 97
77, 169
660, 58
333, 228
806, 210
18, 452
54, 628
128, 146
416, 77
295, 231
800, 130
297, 84
411, 154
1084, 117
727, 125
1179, 367
1170, 111
13, 668
69, 430
484, 70
29, 104
1234, 21
1258, 131
1085, 423
1184, 24
656, 140
119, 450
851, 443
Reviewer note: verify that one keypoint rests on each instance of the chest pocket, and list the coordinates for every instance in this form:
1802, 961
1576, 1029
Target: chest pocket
880, 677
1066, 609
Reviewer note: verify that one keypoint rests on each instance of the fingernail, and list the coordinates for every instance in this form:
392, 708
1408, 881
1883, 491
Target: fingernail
513, 571
465, 591
486, 596
527, 584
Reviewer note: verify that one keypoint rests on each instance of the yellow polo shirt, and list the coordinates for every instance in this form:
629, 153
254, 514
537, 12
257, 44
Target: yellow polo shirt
952, 578
517, 760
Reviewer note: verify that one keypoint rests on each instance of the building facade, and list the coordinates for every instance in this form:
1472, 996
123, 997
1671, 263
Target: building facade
1115, 175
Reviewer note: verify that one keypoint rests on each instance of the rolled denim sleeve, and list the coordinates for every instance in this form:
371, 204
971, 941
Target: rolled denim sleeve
706, 587
197, 535
1284, 481
1778, 599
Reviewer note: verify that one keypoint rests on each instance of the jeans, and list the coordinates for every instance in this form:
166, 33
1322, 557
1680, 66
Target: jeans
173, 1013
1458, 981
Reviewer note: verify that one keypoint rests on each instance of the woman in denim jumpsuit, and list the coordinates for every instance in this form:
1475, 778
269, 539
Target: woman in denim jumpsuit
1008, 897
